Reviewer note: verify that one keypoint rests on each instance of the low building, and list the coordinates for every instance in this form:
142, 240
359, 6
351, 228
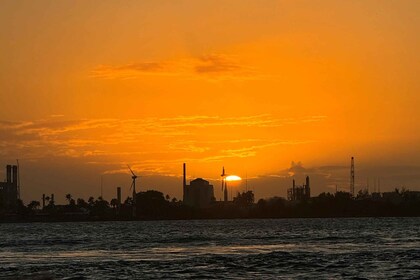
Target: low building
199, 193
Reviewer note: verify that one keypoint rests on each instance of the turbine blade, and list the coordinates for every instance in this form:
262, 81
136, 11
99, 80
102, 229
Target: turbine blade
131, 170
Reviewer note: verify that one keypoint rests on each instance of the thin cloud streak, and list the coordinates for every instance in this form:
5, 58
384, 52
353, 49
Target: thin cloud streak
150, 143
211, 66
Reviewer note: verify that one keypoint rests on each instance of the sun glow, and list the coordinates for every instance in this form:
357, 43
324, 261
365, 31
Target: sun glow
231, 178
295, 72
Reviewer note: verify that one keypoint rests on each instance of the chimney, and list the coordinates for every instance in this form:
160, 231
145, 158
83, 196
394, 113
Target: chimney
308, 188
119, 196
185, 175
184, 184
15, 175
9, 173
43, 200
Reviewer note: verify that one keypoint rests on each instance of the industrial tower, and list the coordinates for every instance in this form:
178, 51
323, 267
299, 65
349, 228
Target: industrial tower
18, 179
224, 185
352, 177
184, 184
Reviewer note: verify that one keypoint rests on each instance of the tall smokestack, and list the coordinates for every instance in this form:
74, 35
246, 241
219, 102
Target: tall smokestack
15, 175
185, 175
184, 183
119, 196
9, 173
43, 200
308, 188
294, 190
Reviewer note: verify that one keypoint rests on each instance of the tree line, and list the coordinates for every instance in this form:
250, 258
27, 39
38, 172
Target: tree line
154, 205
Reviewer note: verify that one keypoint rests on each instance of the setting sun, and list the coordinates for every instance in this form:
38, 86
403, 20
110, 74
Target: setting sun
231, 178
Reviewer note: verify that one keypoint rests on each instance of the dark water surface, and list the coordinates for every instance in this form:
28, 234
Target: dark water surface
370, 248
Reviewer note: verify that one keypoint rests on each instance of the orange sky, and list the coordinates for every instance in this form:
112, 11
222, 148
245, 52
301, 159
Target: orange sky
268, 89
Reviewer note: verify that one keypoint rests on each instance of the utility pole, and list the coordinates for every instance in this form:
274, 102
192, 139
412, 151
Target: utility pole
102, 194
352, 177
18, 180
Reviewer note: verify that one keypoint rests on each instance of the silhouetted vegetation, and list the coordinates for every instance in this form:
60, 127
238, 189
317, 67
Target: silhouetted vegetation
152, 205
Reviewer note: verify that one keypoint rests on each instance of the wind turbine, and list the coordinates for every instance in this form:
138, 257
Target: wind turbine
133, 186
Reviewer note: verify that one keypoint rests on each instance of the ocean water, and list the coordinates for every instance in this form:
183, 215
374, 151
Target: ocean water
361, 248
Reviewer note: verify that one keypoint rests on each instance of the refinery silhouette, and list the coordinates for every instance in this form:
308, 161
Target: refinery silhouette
199, 202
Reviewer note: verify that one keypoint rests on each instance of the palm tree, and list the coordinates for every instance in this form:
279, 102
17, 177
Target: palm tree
91, 201
81, 203
33, 205
114, 203
68, 197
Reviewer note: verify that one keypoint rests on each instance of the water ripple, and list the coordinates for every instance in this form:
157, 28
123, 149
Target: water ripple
365, 248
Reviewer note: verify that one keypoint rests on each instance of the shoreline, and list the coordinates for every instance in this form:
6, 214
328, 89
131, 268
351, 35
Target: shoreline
199, 219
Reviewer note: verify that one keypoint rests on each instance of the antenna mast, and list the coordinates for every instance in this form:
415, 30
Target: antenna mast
246, 182
18, 179
367, 184
102, 195
352, 177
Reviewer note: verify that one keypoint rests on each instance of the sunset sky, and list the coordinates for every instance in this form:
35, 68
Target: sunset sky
269, 89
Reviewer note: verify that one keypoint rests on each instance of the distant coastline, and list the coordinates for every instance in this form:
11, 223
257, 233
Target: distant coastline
153, 205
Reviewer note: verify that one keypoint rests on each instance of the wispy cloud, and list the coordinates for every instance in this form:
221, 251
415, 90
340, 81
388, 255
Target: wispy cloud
151, 143
211, 66
249, 150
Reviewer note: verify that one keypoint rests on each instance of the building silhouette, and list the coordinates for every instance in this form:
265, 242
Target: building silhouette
199, 193
298, 193
9, 188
